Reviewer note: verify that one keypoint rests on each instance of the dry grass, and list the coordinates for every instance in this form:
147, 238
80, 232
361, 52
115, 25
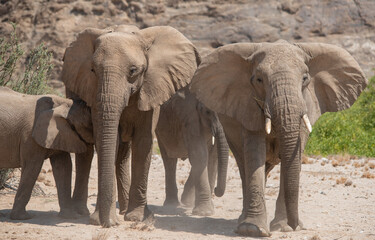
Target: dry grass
369, 175
181, 182
315, 237
335, 163
341, 180
341, 160
101, 235
371, 165
358, 164
306, 160
143, 226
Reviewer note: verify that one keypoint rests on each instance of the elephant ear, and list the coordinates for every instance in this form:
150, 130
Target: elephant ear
336, 79
172, 61
222, 83
52, 131
77, 71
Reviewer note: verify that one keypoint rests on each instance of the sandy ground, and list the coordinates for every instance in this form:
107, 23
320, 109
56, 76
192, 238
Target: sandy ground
337, 201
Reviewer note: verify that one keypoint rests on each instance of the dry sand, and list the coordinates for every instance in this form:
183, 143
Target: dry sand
337, 201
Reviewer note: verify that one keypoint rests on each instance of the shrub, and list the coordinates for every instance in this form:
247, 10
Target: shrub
351, 131
37, 66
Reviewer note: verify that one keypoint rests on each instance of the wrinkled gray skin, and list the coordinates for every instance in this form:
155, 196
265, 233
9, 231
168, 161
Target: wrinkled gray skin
34, 128
185, 129
249, 82
124, 74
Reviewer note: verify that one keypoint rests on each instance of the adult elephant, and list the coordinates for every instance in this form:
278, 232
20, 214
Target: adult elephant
270, 94
124, 74
185, 130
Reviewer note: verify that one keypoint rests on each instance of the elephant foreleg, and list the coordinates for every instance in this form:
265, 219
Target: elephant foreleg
198, 157
123, 175
141, 159
280, 222
254, 221
188, 195
62, 172
83, 165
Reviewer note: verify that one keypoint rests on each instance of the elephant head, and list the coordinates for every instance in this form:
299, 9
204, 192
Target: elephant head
64, 125
120, 66
279, 86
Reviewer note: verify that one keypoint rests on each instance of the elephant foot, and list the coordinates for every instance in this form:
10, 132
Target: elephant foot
123, 204
123, 211
206, 209
20, 215
171, 203
68, 213
251, 230
95, 220
188, 199
281, 225
139, 214
81, 209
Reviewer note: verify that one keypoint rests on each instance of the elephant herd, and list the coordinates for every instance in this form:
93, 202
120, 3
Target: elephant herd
126, 86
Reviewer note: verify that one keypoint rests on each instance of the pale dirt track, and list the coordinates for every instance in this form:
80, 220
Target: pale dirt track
328, 208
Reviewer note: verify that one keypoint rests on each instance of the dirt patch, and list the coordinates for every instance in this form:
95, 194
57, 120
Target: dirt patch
330, 207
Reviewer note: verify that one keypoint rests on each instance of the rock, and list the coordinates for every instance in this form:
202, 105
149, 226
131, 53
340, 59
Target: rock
348, 182
209, 24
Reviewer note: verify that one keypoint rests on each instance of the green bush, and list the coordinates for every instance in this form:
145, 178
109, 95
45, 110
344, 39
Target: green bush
35, 67
351, 131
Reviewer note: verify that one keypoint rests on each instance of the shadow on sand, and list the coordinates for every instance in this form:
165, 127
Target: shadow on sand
166, 219
46, 218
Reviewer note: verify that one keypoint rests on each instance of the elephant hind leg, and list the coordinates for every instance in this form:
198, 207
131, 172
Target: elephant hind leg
171, 191
188, 195
29, 174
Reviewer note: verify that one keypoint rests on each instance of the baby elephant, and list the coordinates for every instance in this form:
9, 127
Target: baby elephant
33, 128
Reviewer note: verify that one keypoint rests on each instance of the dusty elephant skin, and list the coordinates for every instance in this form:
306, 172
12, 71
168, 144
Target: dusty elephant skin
124, 74
185, 130
281, 89
34, 128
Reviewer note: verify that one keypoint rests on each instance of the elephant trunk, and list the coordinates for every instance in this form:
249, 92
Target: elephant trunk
109, 108
223, 155
287, 109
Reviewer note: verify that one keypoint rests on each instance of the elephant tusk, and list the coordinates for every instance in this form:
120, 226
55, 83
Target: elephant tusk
307, 122
213, 140
268, 125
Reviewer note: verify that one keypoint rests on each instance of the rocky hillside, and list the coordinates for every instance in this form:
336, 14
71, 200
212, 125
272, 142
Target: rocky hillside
209, 24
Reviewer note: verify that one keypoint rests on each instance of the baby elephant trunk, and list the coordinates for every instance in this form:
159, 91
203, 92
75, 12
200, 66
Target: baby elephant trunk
223, 155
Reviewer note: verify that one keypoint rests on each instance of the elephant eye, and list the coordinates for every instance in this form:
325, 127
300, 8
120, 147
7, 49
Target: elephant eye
259, 80
305, 78
133, 70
